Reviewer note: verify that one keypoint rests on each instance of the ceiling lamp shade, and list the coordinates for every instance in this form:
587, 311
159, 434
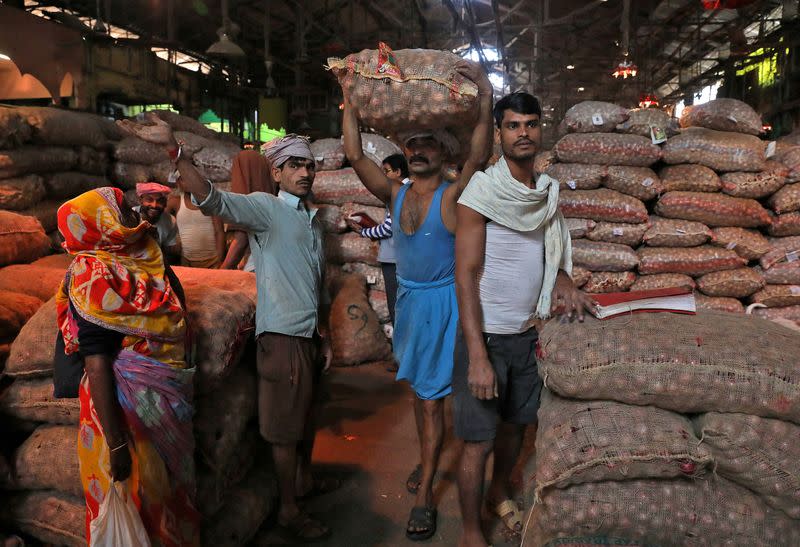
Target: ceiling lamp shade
225, 47
625, 69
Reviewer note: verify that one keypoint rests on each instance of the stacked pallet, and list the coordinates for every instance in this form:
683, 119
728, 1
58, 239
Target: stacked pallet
231, 462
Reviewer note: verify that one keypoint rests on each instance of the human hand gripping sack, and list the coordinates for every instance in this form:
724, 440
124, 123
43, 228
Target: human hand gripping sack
570, 303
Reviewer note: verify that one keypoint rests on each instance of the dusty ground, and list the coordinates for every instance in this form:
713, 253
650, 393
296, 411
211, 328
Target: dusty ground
368, 439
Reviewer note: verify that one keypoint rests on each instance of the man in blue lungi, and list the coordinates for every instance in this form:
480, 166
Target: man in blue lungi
426, 312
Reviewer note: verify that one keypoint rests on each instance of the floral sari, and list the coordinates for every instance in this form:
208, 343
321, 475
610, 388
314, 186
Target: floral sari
117, 281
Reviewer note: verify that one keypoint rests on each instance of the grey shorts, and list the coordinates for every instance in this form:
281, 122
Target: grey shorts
519, 387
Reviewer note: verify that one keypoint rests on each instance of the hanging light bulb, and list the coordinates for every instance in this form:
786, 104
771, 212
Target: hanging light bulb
625, 69
647, 101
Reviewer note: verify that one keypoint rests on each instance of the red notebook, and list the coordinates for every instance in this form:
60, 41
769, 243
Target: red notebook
675, 299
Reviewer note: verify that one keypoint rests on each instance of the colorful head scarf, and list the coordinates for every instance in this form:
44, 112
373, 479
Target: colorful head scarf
143, 188
277, 151
117, 278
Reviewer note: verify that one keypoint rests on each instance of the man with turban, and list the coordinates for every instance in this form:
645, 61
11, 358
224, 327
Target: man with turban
152, 204
291, 315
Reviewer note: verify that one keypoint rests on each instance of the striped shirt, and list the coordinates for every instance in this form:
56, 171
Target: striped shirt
381, 231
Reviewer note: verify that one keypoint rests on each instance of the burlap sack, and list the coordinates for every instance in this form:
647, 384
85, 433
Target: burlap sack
594, 441
577, 176
32, 400
14, 128
213, 486
22, 239
378, 214
787, 224
46, 212
790, 157
581, 227
689, 178
784, 273
226, 280
221, 322
92, 161
663, 281
594, 117
717, 303
719, 150
639, 182
15, 310
713, 209
776, 296
607, 149
755, 185
618, 232
355, 331
33, 350
372, 274
738, 283
342, 186
687, 363
61, 127
127, 175
689, 260
603, 257
67, 185
248, 505
758, 453
782, 249
135, 150
328, 153
605, 282
379, 304
36, 159
49, 516
378, 148
221, 418
541, 161
39, 281
350, 247
662, 512
216, 160
748, 244
426, 92
643, 120
668, 232
21, 192
330, 216
602, 205
785, 200
723, 115
182, 123
791, 313
34, 467
580, 276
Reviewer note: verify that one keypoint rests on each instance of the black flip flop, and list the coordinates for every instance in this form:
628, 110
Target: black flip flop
421, 517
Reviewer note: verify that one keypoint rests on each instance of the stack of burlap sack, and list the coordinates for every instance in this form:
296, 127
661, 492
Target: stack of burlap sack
47, 155
236, 486
359, 307
138, 161
714, 208
668, 429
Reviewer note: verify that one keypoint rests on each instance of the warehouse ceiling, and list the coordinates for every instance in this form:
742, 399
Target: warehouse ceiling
561, 50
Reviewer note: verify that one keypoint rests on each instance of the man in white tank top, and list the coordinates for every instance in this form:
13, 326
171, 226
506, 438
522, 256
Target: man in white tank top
513, 259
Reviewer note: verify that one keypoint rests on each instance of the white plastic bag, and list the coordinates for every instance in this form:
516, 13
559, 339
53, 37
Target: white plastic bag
118, 523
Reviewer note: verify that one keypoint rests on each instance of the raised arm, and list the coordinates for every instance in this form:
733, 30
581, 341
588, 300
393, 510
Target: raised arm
251, 211
480, 144
470, 249
370, 174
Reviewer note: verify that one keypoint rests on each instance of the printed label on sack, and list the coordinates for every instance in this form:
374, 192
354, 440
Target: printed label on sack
679, 231
733, 118
371, 148
617, 231
771, 147
597, 119
657, 134
648, 182
371, 280
731, 246
795, 290
572, 184
792, 256
173, 176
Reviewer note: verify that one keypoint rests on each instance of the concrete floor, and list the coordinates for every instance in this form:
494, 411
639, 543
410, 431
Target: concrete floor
368, 438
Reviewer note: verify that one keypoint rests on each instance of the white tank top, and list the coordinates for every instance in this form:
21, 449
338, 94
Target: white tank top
197, 234
511, 279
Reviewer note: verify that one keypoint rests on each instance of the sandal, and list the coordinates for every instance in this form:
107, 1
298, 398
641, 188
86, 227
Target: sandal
510, 513
320, 486
304, 529
421, 524
414, 479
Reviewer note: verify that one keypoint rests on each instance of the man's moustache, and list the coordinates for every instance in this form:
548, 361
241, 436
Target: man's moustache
418, 158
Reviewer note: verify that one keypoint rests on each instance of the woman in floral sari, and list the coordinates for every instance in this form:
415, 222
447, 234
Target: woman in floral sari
120, 311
